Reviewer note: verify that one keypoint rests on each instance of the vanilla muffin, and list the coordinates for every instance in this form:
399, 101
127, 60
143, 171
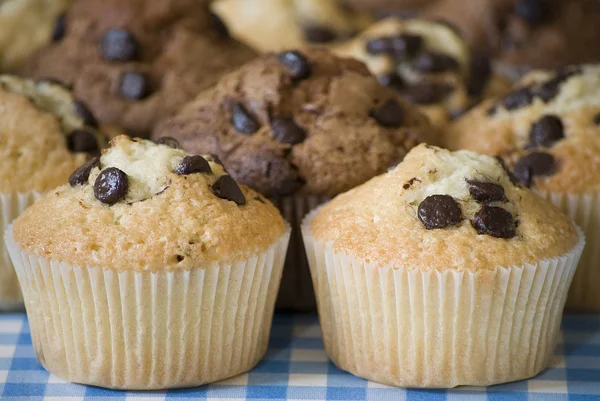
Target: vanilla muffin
151, 269
548, 132
428, 62
276, 25
444, 271
44, 135
26, 26
300, 127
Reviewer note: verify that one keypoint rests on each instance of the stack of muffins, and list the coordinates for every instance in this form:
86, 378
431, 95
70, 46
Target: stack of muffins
156, 260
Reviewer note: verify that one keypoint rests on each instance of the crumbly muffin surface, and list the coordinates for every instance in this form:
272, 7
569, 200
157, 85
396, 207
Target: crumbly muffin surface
145, 206
443, 210
305, 122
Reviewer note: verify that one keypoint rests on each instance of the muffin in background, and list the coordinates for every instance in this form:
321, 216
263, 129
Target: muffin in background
428, 63
525, 34
548, 132
276, 25
152, 269
444, 271
300, 127
44, 135
135, 62
27, 25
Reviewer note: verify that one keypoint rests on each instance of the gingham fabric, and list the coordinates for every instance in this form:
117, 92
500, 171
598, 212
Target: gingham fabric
296, 368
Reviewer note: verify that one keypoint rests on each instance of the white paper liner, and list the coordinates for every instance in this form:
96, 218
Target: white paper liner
584, 210
414, 328
296, 291
12, 205
142, 330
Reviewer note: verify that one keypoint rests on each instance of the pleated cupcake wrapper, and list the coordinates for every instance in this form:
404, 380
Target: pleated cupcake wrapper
296, 292
147, 330
584, 210
12, 205
415, 328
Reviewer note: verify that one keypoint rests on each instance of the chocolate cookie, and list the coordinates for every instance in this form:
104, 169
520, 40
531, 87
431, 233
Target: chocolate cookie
135, 62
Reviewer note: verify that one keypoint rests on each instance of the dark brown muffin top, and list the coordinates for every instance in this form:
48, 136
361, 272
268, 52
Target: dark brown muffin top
135, 61
306, 122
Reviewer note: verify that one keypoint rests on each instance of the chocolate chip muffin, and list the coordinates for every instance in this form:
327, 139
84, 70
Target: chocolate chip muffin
433, 268
527, 33
44, 135
547, 131
300, 127
428, 63
27, 25
135, 62
275, 25
156, 263
389, 7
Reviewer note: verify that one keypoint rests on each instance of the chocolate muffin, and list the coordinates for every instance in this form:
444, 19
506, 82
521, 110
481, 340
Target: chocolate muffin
135, 62
428, 62
300, 127
527, 33
275, 25
547, 131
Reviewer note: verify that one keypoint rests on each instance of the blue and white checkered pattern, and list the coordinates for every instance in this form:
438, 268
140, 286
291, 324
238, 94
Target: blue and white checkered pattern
296, 368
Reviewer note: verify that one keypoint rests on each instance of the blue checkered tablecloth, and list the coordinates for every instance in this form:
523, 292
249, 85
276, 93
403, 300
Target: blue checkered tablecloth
296, 368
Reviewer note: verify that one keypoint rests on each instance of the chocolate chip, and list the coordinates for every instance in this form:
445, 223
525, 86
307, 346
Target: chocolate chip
60, 28
81, 175
534, 164
319, 34
80, 140
484, 192
53, 81
389, 114
168, 141
549, 89
214, 159
285, 130
435, 62
219, 25
297, 65
520, 98
597, 119
193, 164
242, 120
494, 221
511, 176
86, 115
111, 185
439, 211
426, 92
119, 45
391, 80
134, 85
401, 46
379, 46
227, 188
479, 75
534, 12
546, 131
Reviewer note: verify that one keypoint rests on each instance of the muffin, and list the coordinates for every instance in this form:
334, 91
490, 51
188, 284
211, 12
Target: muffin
444, 271
151, 269
28, 25
386, 8
135, 62
523, 34
428, 62
276, 25
44, 135
300, 127
547, 130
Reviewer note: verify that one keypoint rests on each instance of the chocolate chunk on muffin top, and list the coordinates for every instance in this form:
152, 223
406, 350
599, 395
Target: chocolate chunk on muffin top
444, 210
276, 25
144, 206
545, 129
135, 62
300, 121
427, 62
45, 133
